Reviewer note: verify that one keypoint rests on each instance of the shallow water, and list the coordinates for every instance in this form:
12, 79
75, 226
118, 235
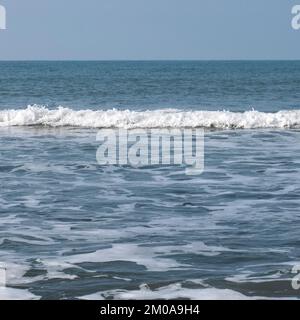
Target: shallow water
70, 228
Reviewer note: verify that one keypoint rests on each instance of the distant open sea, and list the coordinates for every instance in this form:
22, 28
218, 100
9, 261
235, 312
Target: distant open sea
73, 229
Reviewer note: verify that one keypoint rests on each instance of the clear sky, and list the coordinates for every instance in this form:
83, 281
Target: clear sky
149, 29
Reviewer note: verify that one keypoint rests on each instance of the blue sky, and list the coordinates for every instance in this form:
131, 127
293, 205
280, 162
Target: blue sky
149, 29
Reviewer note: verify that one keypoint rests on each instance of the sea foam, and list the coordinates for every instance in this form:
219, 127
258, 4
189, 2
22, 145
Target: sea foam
173, 291
166, 118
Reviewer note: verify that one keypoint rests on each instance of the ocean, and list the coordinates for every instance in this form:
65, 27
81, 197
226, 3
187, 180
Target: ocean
71, 228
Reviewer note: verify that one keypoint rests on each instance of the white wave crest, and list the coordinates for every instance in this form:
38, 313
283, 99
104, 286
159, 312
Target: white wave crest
170, 118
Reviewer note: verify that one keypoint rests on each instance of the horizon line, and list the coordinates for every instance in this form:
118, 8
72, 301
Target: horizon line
141, 60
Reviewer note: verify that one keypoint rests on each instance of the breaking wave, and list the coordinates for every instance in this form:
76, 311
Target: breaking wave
168, 118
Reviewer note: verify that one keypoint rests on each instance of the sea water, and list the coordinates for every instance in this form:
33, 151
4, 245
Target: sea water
71, 228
